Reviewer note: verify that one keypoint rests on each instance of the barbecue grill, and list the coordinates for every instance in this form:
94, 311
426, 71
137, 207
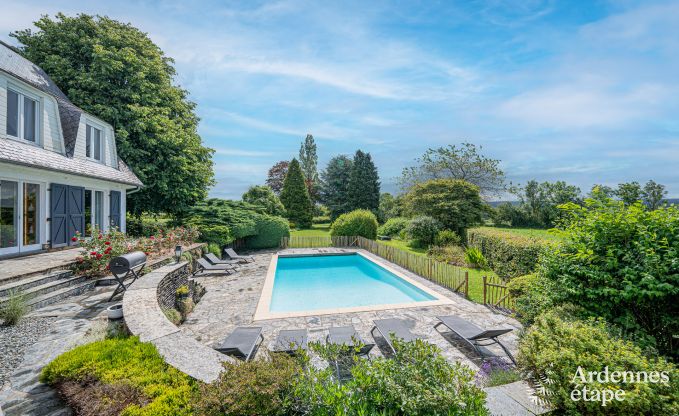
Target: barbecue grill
125, 267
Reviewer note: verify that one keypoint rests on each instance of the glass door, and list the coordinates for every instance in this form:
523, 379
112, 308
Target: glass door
31, 217
9, 217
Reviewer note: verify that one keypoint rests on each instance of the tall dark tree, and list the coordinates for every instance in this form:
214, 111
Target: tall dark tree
364, 184
308, 160
276, 176
295, 197
335, 185
464, 162
114, 71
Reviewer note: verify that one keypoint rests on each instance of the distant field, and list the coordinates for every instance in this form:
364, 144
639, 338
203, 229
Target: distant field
316, 230
526, 232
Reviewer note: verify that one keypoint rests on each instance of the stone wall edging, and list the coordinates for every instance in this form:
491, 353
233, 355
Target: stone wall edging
144, 318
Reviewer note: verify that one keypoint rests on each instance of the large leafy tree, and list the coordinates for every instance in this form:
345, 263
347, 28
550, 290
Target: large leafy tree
464, 162
264, 197
335, 185
540, 201
653, 194
629, 193
364, 184
308, 160
455, 203
295, 197
114, 71
276, 176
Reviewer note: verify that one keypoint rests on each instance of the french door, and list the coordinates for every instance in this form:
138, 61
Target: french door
21, 216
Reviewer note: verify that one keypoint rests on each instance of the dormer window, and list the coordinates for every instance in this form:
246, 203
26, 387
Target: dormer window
22, 116
93, 144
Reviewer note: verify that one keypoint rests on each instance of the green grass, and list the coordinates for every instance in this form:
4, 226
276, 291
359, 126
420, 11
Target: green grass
527, 232
316, 230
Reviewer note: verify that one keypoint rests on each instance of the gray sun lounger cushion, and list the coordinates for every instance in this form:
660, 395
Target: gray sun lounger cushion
242, 342
398, 327
204, 265
475, 335
346, 335
290, 340
235, 256
216, 260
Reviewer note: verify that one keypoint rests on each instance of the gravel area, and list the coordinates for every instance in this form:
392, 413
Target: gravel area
15, 339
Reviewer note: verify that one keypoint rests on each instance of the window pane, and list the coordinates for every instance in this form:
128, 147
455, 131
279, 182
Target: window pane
12, 113
99, 209
88, 213
88, 141
9, 213
97, 144
31, 213
30, 115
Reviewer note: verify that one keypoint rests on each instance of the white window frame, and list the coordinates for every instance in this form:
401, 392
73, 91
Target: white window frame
23, 94
42, 220
102, 140
93, 212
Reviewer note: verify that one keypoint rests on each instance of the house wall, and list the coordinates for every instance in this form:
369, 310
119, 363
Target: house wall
45, 178
109, 156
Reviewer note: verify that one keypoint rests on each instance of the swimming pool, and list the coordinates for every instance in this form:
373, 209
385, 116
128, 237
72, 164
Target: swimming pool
319, 284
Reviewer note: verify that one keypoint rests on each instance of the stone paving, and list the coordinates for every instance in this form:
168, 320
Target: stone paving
231, 301
37, 263
73, 319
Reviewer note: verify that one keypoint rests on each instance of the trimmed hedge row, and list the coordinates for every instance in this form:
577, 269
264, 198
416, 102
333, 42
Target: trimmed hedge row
508, 255
270, 230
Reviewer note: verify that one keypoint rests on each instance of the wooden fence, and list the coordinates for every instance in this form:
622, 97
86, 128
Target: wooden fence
496, 294
443, 274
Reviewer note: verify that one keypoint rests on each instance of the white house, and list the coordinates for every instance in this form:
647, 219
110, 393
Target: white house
59, 169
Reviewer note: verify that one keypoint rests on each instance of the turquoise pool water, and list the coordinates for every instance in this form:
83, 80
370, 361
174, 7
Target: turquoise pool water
328, 282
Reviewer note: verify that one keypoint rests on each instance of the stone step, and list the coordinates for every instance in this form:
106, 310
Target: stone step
22, 285
36, 273
54, 291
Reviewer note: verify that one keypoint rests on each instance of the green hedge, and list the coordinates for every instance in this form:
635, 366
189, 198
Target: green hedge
270, 230
360, 222
101, 374
508, 255
393, 226
554, 348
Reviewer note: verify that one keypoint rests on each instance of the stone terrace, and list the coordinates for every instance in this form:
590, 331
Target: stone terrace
231, 301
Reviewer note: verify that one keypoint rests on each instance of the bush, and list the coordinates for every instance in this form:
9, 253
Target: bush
475, 258
508, 255
360, 222
448, 254
531, 295
448, 238
95, 374
219, 235
620, 263
260, 387
270, 230
173, 315
13, 309
393, 226
417, 380
145, 226
553, 349
423, 230
495, 371
214, 249
263, 197
323, 219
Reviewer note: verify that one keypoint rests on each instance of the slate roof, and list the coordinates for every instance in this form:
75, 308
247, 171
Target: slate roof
12, 63
18, 153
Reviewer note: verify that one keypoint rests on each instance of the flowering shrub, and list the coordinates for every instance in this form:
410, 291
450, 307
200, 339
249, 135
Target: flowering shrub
98, 250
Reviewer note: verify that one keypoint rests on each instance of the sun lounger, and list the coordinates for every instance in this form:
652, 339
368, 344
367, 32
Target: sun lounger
398, 327
290, 340
347, 336
475, 336
216, 260
235, 256
242, 342
203, 265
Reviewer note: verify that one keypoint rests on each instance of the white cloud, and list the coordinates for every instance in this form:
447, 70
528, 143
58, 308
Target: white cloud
223, 151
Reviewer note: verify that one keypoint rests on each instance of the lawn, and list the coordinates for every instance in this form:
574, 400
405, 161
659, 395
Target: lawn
316, 230
536, 233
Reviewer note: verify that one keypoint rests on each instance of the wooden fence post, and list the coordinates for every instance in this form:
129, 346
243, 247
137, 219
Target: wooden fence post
466, 284
484, 290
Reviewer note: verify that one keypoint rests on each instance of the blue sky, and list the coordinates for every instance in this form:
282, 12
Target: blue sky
586, 92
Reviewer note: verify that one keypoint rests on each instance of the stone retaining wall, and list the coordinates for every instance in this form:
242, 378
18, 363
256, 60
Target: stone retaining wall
145, 318
167, 288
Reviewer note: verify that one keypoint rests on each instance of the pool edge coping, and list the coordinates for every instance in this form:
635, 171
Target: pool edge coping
262, 312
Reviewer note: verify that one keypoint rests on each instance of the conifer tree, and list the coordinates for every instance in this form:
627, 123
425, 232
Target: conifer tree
295, 197
308, 160
335, 185
364, 184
